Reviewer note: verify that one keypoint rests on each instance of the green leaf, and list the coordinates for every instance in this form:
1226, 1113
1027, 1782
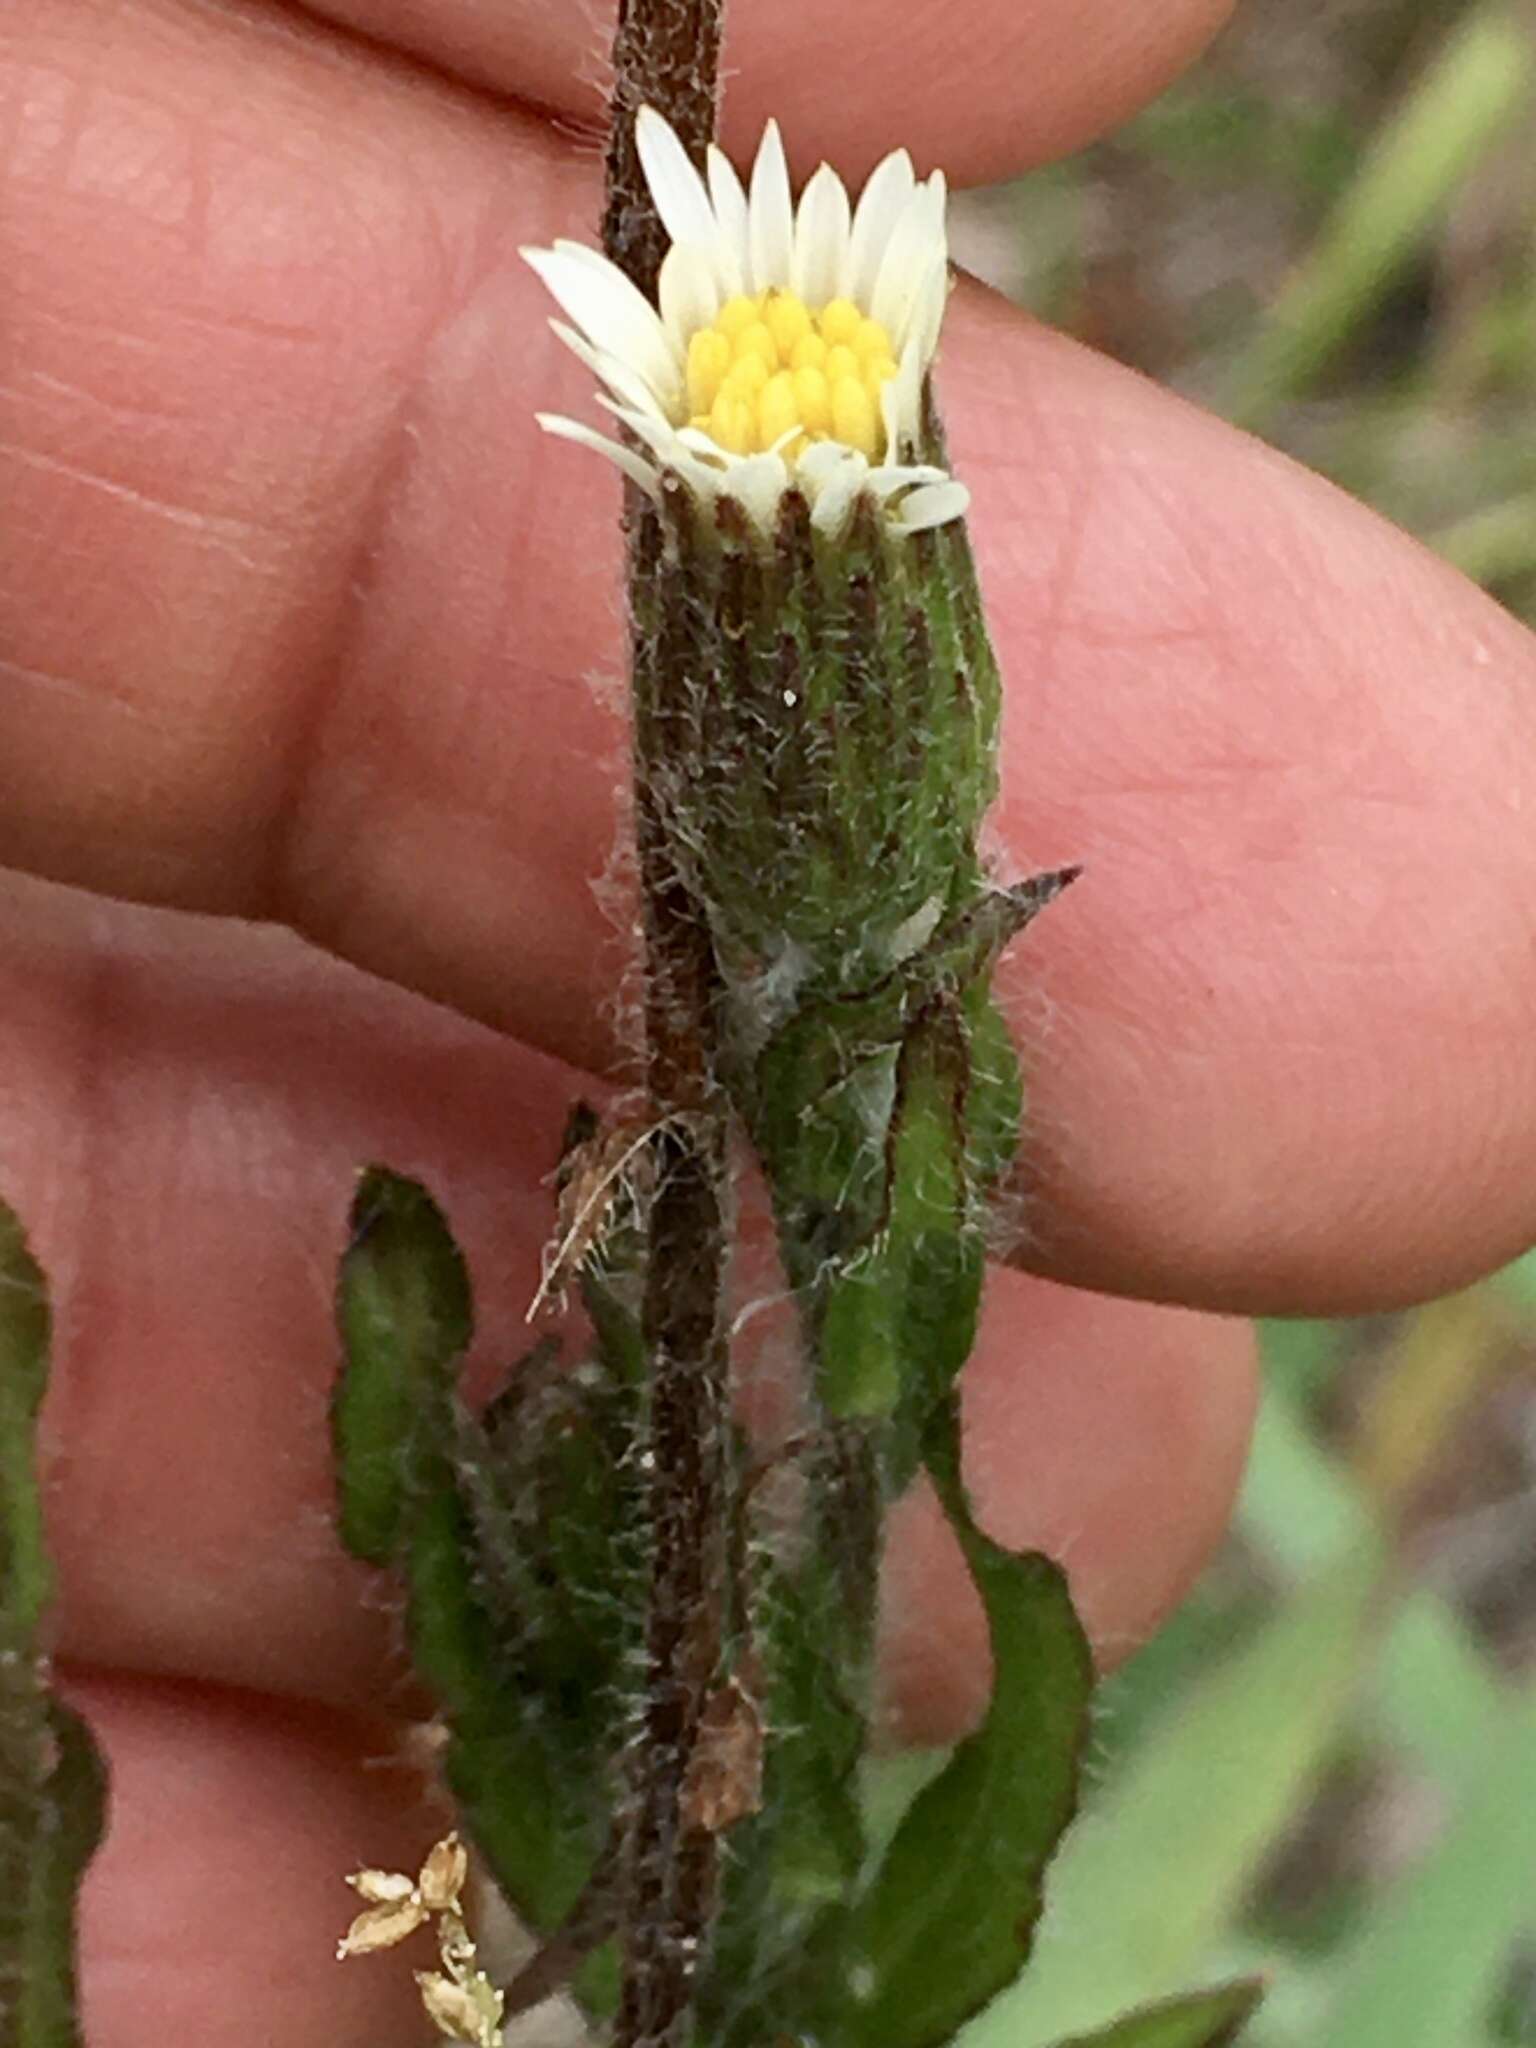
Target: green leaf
1145, 1891
550, 1484
1427, 1965
37, 1919
1201, 2019
792, 1865
51, 1778
950, 1916
405, 1314
994, 1105
485, 1529
26, 1580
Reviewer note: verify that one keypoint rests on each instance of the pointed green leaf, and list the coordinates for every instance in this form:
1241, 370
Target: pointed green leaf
51, 1779
1202, 2019
419, 1489
405, 1314
950, 1916
1178, 1834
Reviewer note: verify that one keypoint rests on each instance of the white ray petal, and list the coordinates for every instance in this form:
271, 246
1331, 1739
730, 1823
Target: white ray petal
758, 482
931, 505
901, 399
722, 461
731, 213
834, 501
771, 227
676, 186
938, 189
880, 204
702, 478
823, 459
927, 313
688, 290
633, 465
611, 312
655, 433
700, 443
668, 444
899, 476
915, 240
622, 379
670, 448
821, 239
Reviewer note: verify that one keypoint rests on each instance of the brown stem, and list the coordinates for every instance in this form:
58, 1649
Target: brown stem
588, 1924
666, 55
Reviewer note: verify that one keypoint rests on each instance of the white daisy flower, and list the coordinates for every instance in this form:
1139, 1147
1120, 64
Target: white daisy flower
790, 345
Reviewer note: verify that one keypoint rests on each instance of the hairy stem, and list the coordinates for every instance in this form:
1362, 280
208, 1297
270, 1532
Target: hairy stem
666, 55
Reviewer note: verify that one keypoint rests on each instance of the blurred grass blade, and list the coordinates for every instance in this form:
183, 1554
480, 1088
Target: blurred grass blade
1148, 1883
1439, 1363
1434, 1692
1201, 2019
1427, 1967
1470, 95
51, 1780
1492, 544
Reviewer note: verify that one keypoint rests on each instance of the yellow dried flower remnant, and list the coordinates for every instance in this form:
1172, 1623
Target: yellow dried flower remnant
462, 2009
397, 1904
459, 1999
443, 1875
789, 344
395, 1911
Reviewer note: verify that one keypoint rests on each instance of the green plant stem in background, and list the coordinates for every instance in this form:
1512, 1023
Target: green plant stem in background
1494, 544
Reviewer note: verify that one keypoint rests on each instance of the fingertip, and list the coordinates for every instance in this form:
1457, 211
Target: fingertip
212, 1909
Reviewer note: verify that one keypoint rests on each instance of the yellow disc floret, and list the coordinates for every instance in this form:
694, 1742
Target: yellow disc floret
770, 373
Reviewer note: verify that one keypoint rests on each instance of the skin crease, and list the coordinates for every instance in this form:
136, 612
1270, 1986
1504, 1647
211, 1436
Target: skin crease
296, 612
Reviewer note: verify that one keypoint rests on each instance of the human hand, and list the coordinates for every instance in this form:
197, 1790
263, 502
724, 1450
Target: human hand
295, 620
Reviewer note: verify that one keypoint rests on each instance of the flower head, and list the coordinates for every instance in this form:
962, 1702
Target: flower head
790, 344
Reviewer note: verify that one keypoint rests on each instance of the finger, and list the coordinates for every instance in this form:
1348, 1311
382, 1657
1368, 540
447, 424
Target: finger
187, 1108
985, 88
1105, 1433
212, 1911
1280, 1044
190, 1109
1278, 1031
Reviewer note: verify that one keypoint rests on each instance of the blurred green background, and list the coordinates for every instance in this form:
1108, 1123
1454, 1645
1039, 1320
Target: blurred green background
1326, 1768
